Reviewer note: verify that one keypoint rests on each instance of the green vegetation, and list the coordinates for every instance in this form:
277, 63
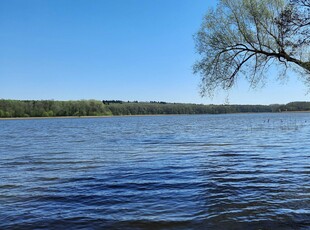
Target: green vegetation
50, 108
243, 38
147, 108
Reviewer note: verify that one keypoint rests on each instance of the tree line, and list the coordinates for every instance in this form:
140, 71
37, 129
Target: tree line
51, 108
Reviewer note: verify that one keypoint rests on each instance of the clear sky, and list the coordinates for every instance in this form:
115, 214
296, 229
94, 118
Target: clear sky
113, 49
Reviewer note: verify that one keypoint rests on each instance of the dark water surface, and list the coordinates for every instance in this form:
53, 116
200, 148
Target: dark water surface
242, 171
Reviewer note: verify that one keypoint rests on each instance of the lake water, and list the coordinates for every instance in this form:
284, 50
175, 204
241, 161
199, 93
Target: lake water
241, 171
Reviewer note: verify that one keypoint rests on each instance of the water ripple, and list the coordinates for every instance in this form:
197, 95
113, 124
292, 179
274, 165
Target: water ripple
174, 172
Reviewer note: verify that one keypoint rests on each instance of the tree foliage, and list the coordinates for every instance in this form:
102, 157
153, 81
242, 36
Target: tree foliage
246, 37
50, 108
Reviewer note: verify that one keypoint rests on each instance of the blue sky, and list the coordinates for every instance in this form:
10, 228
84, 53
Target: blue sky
113, 49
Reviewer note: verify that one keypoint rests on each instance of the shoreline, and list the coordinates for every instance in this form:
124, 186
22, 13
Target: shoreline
83, 117
139, 115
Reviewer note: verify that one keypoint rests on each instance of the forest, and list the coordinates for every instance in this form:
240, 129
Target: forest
51, 108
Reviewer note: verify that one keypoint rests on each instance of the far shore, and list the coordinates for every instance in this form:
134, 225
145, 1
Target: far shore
139, 115
81, 117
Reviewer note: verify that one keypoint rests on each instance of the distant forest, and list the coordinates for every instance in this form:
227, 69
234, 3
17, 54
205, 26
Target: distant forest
51, 108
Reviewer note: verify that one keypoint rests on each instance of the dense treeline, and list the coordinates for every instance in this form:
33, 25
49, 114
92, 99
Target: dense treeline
178, 108
295, 106
50, 108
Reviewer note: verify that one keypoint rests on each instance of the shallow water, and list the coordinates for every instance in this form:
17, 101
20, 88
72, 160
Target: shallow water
241, 171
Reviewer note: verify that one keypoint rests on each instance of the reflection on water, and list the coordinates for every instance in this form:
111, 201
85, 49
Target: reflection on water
245, 171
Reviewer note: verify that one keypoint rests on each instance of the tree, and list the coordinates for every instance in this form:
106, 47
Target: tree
246, 37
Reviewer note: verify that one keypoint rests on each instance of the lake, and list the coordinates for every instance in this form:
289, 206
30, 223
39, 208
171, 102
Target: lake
238, 171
